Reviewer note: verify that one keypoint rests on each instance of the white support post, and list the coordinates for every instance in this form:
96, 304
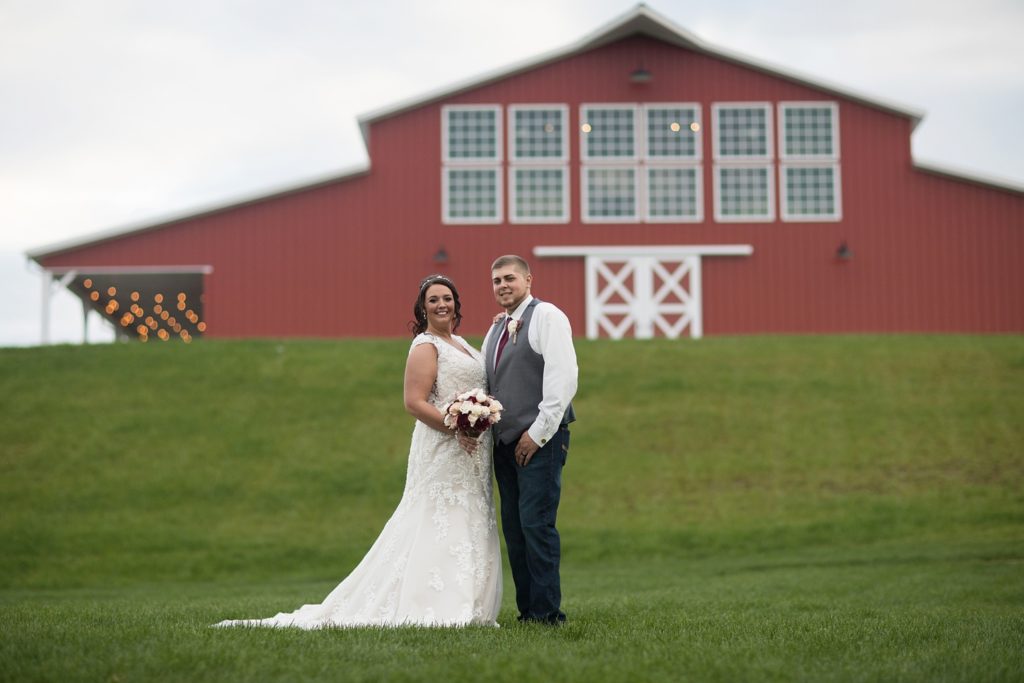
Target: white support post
44, 332
696, 300
590, 287
85, 322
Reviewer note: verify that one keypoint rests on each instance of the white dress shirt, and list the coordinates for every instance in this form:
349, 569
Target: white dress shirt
550, 335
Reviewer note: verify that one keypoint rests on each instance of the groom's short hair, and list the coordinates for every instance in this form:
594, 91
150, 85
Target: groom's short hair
511, 260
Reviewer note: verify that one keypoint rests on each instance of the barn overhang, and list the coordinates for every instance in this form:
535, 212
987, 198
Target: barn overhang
140, 302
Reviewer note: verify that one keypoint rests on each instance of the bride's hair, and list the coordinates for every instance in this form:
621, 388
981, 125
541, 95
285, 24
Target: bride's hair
419, 310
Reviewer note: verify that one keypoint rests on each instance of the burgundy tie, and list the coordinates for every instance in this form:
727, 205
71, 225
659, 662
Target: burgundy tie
501, 342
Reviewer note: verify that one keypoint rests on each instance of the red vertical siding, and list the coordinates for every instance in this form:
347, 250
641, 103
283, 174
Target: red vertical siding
929, 253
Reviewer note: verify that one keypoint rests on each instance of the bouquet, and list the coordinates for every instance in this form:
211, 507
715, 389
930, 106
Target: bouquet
472, 413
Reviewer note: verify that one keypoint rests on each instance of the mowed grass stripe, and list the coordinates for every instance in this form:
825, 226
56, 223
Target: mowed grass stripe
764, 508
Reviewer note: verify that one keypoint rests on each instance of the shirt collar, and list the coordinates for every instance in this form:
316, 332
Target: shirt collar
521, 308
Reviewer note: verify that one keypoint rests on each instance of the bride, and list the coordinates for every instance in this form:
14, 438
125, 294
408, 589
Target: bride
437, 562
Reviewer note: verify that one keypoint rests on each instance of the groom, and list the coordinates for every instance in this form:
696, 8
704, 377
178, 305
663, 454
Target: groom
531, 369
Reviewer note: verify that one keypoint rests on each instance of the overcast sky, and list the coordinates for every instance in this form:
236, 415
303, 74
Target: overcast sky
120, 112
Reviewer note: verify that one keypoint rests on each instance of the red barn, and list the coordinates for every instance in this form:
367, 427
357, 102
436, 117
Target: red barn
659, 186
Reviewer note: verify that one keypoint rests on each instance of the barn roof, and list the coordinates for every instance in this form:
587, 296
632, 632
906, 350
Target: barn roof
641, 20
155, 224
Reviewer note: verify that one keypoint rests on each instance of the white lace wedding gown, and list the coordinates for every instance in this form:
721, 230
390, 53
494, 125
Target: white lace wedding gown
437, 562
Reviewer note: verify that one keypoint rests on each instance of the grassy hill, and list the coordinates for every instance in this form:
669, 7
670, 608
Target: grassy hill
829, 508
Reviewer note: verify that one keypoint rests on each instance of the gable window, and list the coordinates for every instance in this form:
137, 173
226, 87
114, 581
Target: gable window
608, 150
641, 163
742, 144
609, 194
608, 132
471, 145
539, 163
674, 194
809, 170
743, 193
672, 157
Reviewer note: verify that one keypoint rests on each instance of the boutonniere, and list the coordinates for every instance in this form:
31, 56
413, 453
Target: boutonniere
513, 328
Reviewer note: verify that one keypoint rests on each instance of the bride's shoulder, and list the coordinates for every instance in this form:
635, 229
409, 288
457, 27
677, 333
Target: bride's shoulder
423, 338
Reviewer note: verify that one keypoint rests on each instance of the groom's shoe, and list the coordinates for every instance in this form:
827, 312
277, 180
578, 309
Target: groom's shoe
556, 619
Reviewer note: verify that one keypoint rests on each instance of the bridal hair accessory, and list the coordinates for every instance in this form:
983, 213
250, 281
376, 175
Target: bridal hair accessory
434, 279
472, 413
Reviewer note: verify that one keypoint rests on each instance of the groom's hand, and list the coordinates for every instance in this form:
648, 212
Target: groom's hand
525, 449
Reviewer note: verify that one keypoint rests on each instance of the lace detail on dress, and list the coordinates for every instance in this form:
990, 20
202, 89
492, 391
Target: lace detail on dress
437, 562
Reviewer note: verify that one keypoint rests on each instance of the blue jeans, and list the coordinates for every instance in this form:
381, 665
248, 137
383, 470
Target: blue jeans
529, 506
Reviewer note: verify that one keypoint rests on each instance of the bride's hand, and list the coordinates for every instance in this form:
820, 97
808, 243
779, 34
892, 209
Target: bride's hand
468, 443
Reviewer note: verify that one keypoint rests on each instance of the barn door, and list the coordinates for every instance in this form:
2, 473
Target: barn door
643, 296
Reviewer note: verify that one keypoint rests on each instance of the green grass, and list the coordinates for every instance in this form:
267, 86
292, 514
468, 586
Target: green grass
738, 509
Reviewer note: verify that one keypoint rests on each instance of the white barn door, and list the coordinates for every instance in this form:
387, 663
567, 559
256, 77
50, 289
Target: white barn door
643, 296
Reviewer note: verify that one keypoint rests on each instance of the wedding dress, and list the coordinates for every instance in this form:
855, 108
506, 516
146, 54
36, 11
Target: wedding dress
437, 562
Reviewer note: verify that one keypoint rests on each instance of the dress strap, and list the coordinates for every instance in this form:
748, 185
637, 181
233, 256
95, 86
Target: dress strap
424, 338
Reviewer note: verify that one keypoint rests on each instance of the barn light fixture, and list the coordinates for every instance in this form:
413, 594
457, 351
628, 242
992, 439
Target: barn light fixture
844, 253
640, 75
441, 256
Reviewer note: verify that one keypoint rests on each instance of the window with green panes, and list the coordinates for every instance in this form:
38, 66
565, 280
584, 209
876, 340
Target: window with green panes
472, 148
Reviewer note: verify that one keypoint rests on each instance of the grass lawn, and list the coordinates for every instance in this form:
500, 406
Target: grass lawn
737, 509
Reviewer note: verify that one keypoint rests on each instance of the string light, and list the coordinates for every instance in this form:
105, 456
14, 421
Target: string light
135, 296
95, 296
87, 283
158, 309
695, 126
112, 291
674, 127
201, 327
586, 128
181, 306
159, 298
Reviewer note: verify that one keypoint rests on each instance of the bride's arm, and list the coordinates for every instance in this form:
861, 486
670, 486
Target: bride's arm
420, 374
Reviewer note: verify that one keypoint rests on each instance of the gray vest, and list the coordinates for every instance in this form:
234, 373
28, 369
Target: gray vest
518, 381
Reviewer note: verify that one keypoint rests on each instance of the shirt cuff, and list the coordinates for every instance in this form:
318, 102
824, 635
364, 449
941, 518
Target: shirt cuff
541, 436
